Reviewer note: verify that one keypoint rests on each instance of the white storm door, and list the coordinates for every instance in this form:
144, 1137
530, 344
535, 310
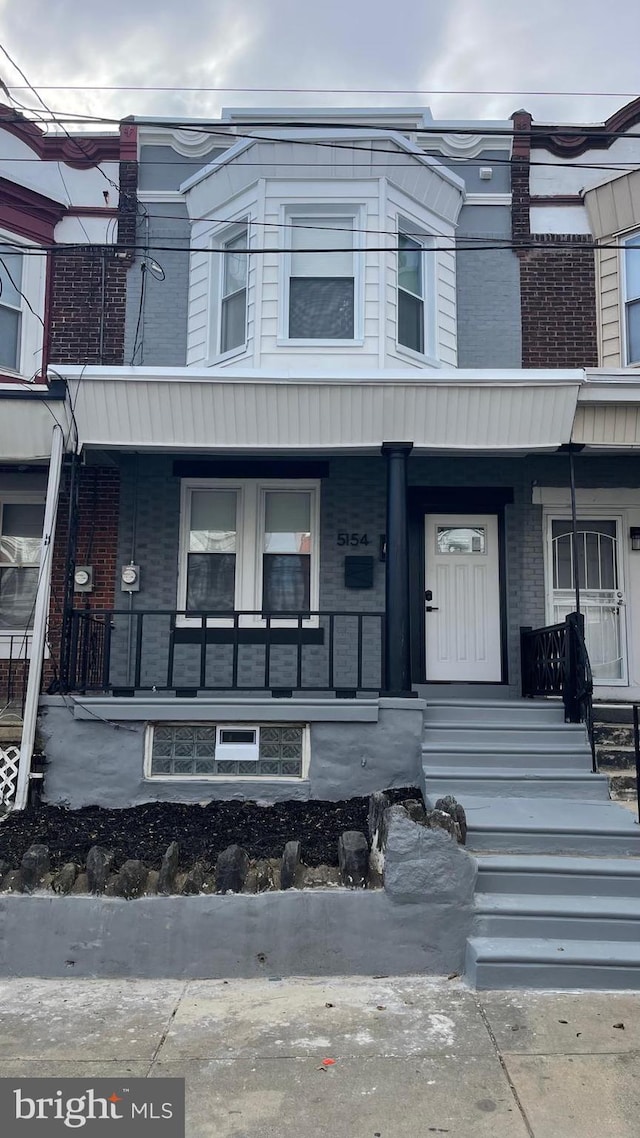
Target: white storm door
601, 590
462, 621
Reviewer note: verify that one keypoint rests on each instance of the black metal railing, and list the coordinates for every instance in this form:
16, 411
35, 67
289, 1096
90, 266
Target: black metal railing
164, 650
555, 661
14, 673
636, 747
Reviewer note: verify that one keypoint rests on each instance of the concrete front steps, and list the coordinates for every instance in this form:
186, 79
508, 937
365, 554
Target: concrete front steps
558, 891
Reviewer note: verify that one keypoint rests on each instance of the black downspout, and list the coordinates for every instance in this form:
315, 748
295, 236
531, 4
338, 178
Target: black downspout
397, 651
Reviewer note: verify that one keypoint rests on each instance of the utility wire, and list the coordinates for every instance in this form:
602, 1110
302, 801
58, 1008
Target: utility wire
330, 91
58, 122
229, 129
455, 246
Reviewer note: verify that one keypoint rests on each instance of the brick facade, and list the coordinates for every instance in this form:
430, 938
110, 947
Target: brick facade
88, 288
98, 505
557, 277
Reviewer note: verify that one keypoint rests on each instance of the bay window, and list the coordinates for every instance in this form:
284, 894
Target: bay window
251, 546
632, 298
321, 284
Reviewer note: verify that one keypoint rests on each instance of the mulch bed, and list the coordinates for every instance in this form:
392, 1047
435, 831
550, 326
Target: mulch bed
201, 832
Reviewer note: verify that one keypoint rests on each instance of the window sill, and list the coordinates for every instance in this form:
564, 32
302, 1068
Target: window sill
232, 354
315, 344
268, 781
422, 358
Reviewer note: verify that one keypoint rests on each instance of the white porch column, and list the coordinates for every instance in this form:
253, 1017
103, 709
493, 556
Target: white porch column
40, 617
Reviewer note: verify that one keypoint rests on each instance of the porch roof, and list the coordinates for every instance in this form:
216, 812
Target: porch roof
27, 418
216, 410
608, 413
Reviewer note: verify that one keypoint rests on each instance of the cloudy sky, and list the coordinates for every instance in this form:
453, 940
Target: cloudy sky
432, 47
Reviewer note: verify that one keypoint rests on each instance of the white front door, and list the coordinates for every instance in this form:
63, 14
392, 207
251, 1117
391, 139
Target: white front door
601, 590
462, 620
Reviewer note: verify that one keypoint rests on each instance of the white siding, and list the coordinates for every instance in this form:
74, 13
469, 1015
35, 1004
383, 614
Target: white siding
614, 209
198, 320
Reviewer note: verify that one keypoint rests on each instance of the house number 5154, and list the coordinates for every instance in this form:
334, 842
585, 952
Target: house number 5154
353, 539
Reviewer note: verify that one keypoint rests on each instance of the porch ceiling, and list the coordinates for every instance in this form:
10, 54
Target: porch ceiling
181, 409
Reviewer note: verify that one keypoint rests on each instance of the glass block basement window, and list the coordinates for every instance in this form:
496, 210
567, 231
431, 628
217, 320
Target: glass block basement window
191, 750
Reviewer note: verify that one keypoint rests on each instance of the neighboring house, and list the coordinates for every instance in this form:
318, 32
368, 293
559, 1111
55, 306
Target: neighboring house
61, 286
329, 463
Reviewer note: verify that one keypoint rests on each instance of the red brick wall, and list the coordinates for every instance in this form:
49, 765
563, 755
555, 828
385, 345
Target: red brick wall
558, 302
97, 545
557, 276
88, 290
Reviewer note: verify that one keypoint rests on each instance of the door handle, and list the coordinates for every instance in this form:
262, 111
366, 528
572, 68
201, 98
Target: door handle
431, 608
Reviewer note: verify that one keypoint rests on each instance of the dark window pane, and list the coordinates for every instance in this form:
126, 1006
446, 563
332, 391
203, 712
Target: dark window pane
321, 308
410, 321
233, 332
286, 582
633, 331
596, 553
211, 581
17, 597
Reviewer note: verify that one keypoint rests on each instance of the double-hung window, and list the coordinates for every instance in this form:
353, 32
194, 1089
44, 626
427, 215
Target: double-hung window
321, 284
632, 298
11, 271
250, 546
233, 291
410, 293
20, 546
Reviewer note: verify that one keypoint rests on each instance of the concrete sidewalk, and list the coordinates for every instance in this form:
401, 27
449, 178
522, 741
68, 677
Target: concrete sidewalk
413, 1056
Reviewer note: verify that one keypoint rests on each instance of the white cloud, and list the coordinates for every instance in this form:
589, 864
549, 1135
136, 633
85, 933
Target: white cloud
439, 44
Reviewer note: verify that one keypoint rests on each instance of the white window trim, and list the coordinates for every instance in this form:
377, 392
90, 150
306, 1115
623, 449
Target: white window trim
624, 339
222, 237
249, 546
418, 233
260, 779
33, 285
20, 636
288, 213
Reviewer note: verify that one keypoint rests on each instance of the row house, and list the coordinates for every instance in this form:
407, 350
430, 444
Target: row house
347, 401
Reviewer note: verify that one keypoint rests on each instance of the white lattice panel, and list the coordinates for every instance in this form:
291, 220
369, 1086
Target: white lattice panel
9, 759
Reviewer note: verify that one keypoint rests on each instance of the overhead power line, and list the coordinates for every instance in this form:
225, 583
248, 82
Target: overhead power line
229, 129
461, 245
327, 90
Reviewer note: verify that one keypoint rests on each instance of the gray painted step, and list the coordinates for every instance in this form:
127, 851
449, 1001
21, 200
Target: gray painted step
506, 962
523, 713
551, 875
557, 917
549, 825
505, 784
511, 737
515, 762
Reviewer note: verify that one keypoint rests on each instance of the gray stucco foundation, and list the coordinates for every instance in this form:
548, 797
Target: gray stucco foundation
356, 747
418, 922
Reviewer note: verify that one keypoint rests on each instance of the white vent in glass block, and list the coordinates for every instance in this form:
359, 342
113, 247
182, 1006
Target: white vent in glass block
242, 744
